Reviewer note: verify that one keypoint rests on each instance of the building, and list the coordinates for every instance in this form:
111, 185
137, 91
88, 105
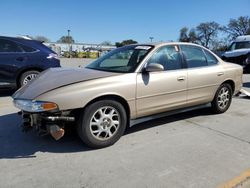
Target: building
60, 48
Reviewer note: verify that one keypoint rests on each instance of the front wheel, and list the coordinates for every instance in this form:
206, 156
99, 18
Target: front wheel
222, 99
102, 123
27, 77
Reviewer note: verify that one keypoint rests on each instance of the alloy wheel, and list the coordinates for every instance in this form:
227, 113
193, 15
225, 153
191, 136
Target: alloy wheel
223, 97
104, 123
28, 78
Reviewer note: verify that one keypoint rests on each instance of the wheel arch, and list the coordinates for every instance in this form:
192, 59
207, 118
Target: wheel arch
115, 97
26, 70
231, 83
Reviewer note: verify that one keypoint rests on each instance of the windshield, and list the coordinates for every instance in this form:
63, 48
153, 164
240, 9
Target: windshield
240, 45
125, 59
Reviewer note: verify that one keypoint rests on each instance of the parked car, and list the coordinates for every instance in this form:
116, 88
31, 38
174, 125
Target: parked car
239, 52
127, 83
22, 59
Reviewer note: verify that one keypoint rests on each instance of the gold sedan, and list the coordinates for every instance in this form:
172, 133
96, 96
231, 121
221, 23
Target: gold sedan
128, 83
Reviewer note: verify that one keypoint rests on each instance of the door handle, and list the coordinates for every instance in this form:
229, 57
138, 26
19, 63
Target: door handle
220, 73
181, 78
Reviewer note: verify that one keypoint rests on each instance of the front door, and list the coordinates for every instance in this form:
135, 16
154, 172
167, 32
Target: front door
165, 90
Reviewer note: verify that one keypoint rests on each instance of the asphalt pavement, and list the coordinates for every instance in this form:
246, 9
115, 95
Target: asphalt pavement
189, 150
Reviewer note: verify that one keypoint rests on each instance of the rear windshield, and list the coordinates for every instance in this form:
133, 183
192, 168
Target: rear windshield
44, 47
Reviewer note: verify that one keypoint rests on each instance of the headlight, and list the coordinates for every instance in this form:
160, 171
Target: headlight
34, 106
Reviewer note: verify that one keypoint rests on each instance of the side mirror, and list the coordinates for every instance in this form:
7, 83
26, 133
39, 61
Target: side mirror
154, 67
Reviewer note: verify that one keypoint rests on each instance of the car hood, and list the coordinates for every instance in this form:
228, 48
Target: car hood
57, 77
236, 53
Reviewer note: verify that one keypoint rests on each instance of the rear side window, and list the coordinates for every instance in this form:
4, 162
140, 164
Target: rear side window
211, 60
194, 56
168, 56
27, 48
9, 46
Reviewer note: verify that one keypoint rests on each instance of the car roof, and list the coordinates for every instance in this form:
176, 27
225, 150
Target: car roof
19, 38
242, 38
159, 44
29, 42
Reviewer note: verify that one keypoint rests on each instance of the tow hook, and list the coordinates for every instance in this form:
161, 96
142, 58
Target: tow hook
56, 131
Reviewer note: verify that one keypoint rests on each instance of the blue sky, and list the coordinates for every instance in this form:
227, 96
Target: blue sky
113, 20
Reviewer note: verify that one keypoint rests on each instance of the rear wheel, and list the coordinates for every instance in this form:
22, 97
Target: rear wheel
102, 123
222, 99
27, 77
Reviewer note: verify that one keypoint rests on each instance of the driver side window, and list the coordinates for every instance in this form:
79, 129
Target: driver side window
168, 56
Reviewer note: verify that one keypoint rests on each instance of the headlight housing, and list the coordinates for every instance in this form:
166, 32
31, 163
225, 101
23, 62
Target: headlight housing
34, 106
248, 60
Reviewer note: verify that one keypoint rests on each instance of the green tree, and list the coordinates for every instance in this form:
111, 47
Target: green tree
187, 35
237, 27
192, 36
184, 35
41, 38
106, 43
125, 42
66, 39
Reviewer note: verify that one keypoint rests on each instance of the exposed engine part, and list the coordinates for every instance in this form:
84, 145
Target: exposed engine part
56, 131
59, 118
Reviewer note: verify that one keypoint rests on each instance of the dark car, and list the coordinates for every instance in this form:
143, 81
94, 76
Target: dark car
22, 59
239, 52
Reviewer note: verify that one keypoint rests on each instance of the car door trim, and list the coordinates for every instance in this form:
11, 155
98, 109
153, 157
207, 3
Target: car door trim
164, 93
4, 83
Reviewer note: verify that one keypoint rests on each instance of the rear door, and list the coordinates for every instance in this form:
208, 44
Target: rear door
164, 90
204, 74
11, 58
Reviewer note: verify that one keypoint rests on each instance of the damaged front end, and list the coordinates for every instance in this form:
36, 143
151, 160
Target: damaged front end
46, 123
44, 117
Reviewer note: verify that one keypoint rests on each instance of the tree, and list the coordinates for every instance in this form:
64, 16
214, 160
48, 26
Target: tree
237, 27
41, 38
66, 39
106, 43
207, 32
192, 36
125, 42
183, 35
187, 35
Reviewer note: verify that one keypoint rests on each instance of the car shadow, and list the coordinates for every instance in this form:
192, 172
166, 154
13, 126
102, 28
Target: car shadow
16, 144
169, 119
6, 92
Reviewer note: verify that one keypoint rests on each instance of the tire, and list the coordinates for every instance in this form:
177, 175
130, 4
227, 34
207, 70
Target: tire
99, 126
222, 99
27, 77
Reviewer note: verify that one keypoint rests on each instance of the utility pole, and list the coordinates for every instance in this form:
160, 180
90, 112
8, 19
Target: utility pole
151, 39
69, 40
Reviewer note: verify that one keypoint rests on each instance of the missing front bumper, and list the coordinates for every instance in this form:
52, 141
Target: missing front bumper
46, 124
